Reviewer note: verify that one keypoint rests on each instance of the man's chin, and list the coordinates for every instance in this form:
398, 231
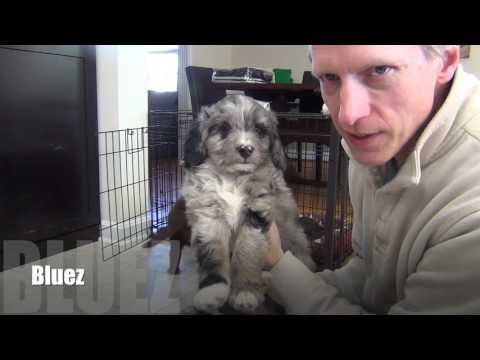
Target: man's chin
370, 160
372, 156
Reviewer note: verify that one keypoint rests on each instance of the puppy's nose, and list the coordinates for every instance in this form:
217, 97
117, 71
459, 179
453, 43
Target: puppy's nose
245, 150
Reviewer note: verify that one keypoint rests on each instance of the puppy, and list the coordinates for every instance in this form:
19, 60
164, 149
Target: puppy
234, 188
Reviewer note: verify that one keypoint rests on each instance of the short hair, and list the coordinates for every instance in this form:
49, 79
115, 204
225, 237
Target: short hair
429, 50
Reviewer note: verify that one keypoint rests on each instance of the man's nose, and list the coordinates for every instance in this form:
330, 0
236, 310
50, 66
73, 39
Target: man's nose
354, 103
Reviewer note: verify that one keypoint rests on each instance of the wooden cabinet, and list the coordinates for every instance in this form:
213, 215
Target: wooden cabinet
48, 145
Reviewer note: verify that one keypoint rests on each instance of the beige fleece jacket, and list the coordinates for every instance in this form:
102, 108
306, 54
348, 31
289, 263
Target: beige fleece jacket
416, 239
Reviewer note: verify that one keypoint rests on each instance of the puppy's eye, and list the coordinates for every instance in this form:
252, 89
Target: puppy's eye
224, 129
261, 130
212, 129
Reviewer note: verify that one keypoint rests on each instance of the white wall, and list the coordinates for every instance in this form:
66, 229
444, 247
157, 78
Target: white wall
261, 56
294, 57
215, 56
472, 63
132, 86
107, 102
122, 87
107, 87
122, 97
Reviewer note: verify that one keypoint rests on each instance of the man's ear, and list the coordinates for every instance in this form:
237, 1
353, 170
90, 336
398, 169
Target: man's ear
449, 64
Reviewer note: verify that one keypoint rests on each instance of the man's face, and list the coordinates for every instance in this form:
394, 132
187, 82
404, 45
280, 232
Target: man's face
378, 96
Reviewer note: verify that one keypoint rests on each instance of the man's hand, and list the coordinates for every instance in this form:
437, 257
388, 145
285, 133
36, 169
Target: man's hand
276, 251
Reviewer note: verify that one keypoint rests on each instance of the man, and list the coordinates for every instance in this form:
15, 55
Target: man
409, 117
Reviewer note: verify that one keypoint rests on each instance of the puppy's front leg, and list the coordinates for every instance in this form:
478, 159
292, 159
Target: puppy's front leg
249, 284
211, 241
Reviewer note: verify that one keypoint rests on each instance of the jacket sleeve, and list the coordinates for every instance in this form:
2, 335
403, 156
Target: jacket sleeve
302, 292
445, 281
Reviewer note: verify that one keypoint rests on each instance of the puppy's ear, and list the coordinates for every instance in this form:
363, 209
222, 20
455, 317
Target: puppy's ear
195, 153
277, 152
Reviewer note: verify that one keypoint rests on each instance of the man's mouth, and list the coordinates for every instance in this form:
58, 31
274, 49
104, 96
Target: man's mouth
363, 140
361, 136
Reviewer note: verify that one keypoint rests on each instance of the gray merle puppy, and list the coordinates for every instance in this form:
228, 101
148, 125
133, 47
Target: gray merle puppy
234, 188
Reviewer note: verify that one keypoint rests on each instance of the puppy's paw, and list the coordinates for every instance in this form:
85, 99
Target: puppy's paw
259, 215
261, 203
210, 298
246, 301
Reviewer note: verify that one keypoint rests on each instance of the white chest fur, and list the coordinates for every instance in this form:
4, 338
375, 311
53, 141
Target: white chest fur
233, 200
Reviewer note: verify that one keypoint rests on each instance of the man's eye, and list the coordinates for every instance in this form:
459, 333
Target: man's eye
329, 77
381, 70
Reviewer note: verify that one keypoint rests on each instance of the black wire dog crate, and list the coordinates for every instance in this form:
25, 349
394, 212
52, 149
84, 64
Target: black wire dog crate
140, 179
317, 173
141, 175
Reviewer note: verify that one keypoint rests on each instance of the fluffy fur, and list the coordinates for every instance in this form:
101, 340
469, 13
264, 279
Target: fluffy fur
234, 188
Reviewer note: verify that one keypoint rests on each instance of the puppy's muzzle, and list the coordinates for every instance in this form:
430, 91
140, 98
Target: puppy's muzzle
245, 150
